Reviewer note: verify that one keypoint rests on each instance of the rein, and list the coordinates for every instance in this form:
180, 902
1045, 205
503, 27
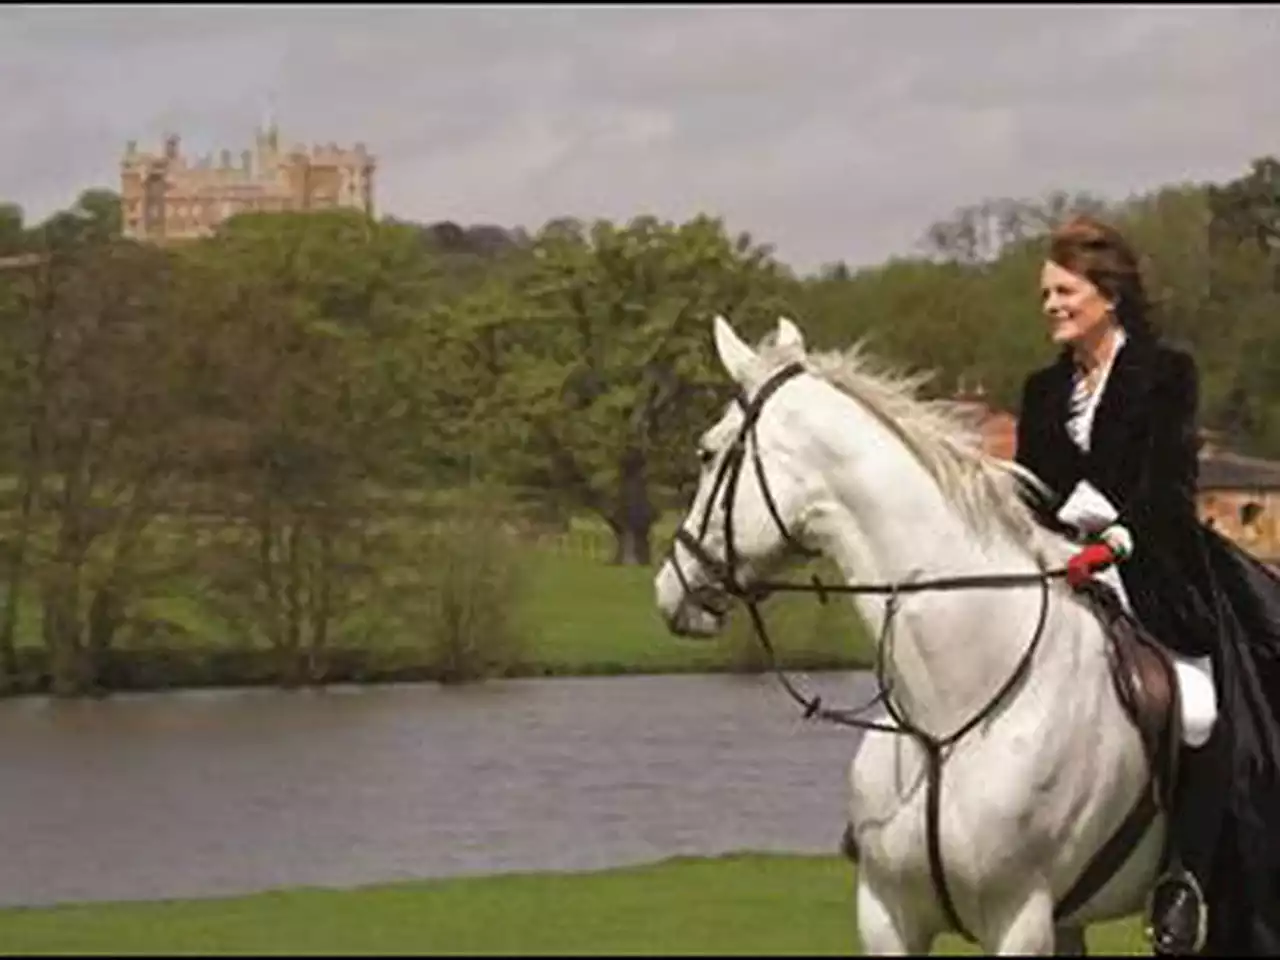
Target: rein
722, 573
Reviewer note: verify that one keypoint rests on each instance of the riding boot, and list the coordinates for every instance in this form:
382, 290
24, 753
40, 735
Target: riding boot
1178, 909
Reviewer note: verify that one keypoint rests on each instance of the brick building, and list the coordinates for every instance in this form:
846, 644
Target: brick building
999, 428
1240, 496
167, 196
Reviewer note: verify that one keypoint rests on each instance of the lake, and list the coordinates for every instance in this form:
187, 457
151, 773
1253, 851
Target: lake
213, 793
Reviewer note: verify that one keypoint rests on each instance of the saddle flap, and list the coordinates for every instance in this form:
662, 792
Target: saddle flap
1145, 682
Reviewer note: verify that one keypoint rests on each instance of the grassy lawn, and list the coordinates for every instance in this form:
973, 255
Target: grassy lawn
587, 616
583, 614
740, 905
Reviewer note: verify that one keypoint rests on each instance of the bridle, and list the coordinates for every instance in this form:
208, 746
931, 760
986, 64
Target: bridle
727, 477
722, 572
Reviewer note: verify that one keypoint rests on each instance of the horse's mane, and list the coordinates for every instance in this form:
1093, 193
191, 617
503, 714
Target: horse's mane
943, 435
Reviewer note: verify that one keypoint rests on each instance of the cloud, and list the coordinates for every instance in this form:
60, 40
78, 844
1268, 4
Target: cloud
834, 133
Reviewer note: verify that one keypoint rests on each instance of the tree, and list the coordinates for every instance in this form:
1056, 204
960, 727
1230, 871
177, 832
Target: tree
319, 314
13, 232
1248, 208
983, 232
603, 371
1170, 227
97, 387
95, 218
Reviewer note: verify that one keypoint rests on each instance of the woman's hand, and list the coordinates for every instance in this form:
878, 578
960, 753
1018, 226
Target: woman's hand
1114, 545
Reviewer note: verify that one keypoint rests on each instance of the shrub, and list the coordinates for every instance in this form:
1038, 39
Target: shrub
473, 578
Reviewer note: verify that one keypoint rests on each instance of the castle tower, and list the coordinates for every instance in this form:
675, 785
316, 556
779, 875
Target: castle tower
267, 152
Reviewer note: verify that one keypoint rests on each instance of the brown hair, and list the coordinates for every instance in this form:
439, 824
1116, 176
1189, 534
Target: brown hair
1098, 252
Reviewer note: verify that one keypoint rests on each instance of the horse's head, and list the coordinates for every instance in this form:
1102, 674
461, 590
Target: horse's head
748, 512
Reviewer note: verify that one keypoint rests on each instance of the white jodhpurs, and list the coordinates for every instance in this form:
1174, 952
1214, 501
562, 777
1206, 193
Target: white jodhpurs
1199, 699
1195, 681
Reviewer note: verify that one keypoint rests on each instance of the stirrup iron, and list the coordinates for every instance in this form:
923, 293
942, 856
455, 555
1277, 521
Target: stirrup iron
1179, 877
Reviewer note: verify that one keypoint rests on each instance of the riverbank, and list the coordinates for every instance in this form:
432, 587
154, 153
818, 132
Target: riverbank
577, 616
161, 669
744, 905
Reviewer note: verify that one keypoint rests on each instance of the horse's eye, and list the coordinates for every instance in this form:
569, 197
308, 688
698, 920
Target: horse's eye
705, 456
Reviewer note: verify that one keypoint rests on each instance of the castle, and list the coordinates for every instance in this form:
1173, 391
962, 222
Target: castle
166, 198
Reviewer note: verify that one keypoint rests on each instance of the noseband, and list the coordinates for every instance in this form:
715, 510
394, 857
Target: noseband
722, 572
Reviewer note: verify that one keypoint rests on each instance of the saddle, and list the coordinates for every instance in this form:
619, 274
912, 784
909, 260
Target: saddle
1145, 681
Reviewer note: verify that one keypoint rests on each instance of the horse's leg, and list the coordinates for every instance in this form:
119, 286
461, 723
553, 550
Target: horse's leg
1030, 930
1069, 942
883, 931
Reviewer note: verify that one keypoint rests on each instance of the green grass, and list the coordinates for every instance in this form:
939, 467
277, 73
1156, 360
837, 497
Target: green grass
736, 905
586, 616
582, 614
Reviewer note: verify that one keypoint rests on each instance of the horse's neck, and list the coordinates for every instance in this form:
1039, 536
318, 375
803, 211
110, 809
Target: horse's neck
886, 520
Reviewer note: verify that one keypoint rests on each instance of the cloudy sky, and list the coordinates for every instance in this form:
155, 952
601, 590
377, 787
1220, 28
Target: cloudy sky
833, 133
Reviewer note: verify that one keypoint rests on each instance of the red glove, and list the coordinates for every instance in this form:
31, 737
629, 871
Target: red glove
1090, 559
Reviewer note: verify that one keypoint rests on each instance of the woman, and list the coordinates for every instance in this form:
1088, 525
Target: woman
1110, 430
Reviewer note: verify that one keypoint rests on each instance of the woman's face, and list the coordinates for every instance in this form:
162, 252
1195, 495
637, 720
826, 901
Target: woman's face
1077, 310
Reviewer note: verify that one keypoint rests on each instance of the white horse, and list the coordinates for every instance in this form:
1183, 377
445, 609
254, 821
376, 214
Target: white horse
823, 454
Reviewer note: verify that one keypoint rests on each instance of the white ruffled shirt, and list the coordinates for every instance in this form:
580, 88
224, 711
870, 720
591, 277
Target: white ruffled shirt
1087, 509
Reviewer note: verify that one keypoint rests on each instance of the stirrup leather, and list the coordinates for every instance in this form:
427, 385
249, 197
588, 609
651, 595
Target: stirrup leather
1185, 878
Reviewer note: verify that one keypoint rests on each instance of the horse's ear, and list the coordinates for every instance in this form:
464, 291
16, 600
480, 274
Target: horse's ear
736, 356
789, 335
